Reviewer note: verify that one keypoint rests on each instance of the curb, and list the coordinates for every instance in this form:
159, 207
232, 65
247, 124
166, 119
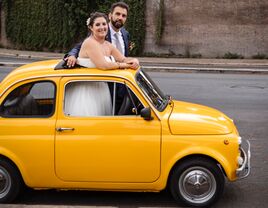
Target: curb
32, 55
11, 64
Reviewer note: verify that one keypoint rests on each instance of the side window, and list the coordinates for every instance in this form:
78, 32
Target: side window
98, 98
35, 99
127, 103
87, 98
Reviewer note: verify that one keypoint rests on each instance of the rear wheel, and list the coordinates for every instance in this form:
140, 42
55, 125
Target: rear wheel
197, 182
10, 182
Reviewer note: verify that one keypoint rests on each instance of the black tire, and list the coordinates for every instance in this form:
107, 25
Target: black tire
10, 182
197, 182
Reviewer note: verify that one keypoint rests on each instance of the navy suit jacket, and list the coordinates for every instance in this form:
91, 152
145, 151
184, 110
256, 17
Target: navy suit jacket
125, 35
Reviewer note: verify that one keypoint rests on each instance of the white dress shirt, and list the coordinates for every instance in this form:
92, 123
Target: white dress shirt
120, 38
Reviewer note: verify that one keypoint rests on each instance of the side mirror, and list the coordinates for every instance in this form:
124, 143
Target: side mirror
146, 114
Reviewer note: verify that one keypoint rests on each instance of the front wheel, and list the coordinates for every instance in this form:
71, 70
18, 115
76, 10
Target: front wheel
10, 182
197, 182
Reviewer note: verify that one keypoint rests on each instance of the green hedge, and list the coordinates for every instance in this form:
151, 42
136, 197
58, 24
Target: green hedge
57, 25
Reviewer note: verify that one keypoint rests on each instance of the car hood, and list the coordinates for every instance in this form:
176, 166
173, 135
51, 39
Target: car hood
193, 119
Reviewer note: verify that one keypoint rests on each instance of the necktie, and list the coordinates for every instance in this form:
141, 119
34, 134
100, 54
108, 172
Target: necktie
117, 43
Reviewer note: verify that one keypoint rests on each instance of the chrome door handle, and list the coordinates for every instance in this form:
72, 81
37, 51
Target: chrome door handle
61, 129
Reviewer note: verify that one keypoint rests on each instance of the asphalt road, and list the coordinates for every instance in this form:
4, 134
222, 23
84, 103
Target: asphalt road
242, 97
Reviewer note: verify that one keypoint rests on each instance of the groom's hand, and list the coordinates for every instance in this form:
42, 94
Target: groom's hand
71, 60
134, 63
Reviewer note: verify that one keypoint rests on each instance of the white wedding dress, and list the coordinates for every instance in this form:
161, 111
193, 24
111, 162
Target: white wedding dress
88, 98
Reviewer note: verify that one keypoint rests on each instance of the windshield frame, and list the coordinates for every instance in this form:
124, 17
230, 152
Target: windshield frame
150, 90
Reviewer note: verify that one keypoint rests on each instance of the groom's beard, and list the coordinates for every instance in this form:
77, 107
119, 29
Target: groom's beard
117, 23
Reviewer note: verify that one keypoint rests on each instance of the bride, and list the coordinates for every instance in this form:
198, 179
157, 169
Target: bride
93, 98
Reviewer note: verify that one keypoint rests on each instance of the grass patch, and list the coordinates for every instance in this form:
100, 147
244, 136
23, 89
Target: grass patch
260, 56
230, 55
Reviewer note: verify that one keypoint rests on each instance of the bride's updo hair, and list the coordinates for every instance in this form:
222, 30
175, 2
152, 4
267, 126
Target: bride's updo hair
95, 15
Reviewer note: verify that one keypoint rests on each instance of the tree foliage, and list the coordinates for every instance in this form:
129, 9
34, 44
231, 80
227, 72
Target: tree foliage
57, 25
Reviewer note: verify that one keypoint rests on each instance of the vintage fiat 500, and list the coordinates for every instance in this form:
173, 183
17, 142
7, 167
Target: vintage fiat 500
145, 142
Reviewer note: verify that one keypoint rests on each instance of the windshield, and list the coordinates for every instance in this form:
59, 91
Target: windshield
152, 92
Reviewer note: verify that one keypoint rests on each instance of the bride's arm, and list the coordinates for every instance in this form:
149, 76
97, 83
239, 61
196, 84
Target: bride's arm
93, 51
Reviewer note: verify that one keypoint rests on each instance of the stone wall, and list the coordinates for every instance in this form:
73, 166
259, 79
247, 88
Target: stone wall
209, 27
3, 37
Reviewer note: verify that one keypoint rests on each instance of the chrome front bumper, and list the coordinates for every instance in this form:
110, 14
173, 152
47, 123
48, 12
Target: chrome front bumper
244, 169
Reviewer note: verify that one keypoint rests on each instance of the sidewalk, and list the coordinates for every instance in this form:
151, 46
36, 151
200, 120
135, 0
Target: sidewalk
160, 64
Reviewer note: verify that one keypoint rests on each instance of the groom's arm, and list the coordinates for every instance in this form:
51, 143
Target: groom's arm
72, 55
75, 51
126, 38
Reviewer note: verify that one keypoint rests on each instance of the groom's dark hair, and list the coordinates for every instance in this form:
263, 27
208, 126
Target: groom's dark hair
119, 4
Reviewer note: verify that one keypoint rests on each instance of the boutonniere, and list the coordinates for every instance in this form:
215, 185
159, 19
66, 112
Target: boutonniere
131, 45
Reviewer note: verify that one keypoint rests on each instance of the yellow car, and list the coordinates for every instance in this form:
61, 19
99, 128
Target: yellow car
140, 140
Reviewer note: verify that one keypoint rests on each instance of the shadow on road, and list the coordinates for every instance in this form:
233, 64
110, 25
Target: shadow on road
93, 198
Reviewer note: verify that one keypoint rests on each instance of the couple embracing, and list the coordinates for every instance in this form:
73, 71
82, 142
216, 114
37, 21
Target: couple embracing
107, 45
105, 48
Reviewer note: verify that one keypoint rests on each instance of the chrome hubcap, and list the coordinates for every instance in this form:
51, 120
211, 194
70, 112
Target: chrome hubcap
197, 185
5, 182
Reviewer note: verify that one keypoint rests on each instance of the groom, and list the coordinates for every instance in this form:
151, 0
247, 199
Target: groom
117, 34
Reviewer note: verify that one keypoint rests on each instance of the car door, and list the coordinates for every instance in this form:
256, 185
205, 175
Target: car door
105, 148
